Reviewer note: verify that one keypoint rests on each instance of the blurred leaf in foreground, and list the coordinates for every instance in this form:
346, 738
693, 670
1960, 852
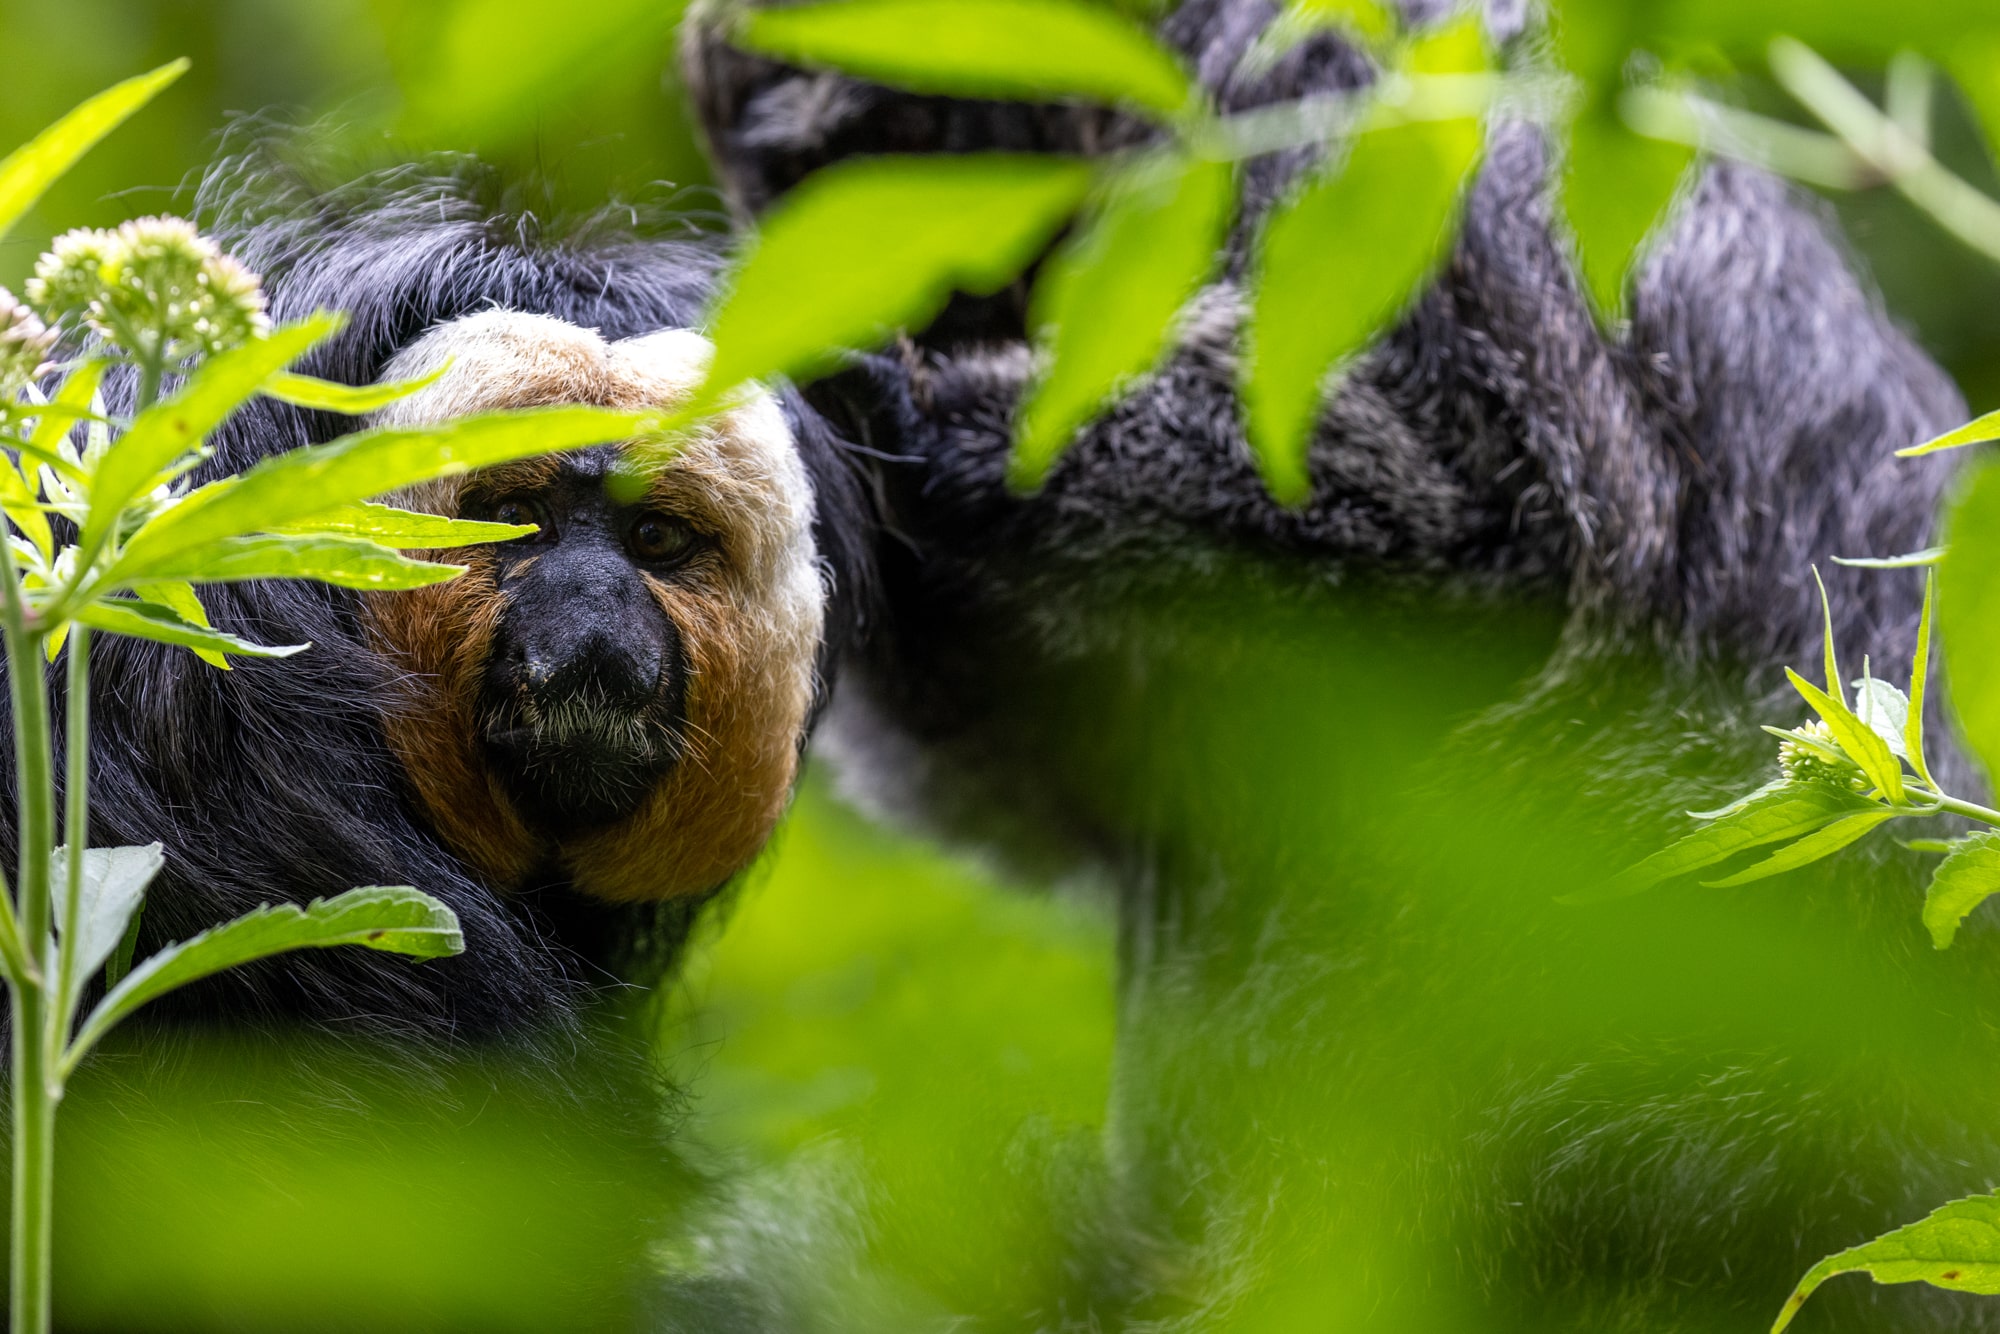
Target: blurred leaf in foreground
1969, 613
1957, 1247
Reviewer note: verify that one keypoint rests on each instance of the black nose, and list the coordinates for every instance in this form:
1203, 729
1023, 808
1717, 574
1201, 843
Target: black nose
583, 629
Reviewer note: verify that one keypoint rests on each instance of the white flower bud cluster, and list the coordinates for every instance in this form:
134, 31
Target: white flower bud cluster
25, 344
1802, 763
155, 286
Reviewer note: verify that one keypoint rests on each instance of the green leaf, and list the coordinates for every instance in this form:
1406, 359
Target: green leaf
114, 884
150, 620
1945, 845
1914, 560
343, 561
1963, 881
17, 500
1968, 610
1814, 846
291, 487
1782, 811
1616, 188
1920, 670
1344, 256
1976, 432
179, 597
1957, 1247
31, 169
306, 391
1885, 710
1033, 49
71, 403
866, 247
169, 429
396, 919
407, 530
1856, 739
1104, 309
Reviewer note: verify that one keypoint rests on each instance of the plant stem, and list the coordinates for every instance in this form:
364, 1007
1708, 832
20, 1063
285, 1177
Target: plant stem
34, 1096
76, 831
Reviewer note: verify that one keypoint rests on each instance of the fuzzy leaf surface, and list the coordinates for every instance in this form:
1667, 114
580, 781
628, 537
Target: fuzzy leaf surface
1033, 49
30, 169
1104, 309
1956, 1247
870, 246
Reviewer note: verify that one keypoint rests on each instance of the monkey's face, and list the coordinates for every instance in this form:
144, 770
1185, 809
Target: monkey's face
620, 698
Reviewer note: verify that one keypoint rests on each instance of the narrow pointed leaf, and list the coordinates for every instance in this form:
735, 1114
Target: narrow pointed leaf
170, 428
76, 400
179, 597
1964, 880
149, 620
288, 488
114, 883
1344, 256
867, 247
1968, 613
306, 391
1787, 811
31, 169
396, 919
406, 530
1956, 1247
1814, 846
344, 561
1855, 738
17, 499
1035, 49
1976, 432
1105, 306
1911, 561
1920, 670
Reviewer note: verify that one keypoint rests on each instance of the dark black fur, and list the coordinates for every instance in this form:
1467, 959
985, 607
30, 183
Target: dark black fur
273, 781
1588, 557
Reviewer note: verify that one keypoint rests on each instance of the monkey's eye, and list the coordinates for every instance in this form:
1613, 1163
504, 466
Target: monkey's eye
660, 539
515, 510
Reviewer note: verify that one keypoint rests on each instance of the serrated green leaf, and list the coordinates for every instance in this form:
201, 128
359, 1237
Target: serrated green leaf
1616, 188
1956, 1247
1856, 739
29, 170
114, 884
306, 391
1885, 710
1784, 811
179, 597
1964, 880
150, 620
866, 247
1338, 261
1104, 308
1968, 613
1814, 846
396, 919
406, 530
1032, 49
346, 562
1914, 560
170, 428
1976, 432
288, 488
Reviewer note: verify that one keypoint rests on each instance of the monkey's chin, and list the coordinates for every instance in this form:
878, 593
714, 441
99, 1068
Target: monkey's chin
568, 784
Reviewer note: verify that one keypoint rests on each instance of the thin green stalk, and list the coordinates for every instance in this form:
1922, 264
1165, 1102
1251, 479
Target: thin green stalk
76, 831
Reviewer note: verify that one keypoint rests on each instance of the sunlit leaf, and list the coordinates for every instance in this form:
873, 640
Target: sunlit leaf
1957, 1247
867, 247
344, 561
1920, 670
294, 486
31, 169
114, 883
150, 620
1886, 711
179, 597
408, 530
1338, 262
1856, 739
1038, 49
1813, 847
1616, 188
170, 428
1783, 811
1975, 432
1914, 560
1104, 308
1968, 613
306, 391
396, 919
17, 500
1964, 880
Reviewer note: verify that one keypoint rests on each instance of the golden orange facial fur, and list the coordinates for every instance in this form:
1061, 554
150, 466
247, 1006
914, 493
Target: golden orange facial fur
749, 615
